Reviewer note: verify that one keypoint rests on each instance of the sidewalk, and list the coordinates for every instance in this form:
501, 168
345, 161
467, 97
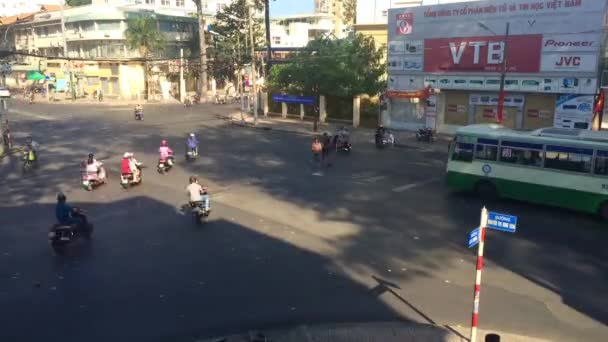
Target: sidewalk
369, 332
105, 102
404, 139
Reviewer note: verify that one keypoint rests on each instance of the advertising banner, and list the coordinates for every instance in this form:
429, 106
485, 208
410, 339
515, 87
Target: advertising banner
482, 54
574, 111
568, 62
571, 42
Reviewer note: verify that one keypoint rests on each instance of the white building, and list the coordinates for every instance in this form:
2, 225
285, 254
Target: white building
297, 30
14, 7
210, 7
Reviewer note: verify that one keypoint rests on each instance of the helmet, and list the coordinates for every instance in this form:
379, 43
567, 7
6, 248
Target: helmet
61, 197
192, 135
163, 143
91, 156
126, 155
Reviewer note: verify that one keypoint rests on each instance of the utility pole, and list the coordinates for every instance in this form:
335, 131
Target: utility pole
65, 51
203, 47
268, 42
182, 84
501, 92
254, 88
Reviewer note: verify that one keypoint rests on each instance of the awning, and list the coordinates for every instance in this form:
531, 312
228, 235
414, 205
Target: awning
34, 76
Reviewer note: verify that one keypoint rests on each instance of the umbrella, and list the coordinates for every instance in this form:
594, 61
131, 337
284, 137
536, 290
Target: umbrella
34, 76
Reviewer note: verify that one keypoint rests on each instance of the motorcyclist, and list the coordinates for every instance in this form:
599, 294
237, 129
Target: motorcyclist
165, 152
130, 166
68, 215
94, 168
197, 194
380, 131
31, 149
139, 110
192, 144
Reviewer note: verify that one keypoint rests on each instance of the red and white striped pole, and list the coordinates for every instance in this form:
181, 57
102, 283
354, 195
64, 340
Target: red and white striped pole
482, 237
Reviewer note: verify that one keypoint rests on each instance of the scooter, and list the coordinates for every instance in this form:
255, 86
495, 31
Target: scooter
425, 134
164, 165
90, 181
60, 236
199, 212
191, 153
128, 179
385, 139
29, 160
343, 143
139, 114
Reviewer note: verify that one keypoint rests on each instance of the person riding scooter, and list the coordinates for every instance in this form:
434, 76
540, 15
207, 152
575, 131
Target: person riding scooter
94, 169
197, 195
129, 166
166, 154
192, 146
67, 215
139, 112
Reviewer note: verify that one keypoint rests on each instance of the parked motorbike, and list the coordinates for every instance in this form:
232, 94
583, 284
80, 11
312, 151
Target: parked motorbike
128, 179
384, 139
164, 165
425, 134
60, 236
90, 181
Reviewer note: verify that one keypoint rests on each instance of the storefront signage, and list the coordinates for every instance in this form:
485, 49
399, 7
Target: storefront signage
571, 43
405, 23
482, 54
569, 62
574, 111
420, 93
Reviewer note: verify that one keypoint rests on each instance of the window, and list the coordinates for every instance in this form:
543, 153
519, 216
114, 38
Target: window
521, 153
149, 2
487, 149
276, 40
179, 3
92, 80
601, 163
463, 152
109, 25
568, 158
165, 2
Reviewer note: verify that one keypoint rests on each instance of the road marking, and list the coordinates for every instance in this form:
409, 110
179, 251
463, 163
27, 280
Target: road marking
414, 185
33, 115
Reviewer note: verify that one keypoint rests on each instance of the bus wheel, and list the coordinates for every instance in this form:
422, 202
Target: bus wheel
604, 211
486, 190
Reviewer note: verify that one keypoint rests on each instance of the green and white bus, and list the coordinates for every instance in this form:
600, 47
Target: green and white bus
555, 166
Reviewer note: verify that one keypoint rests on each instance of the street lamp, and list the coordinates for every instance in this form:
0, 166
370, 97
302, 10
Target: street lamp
503, 72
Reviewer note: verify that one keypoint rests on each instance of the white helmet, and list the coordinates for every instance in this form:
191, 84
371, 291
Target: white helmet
126, 155
192, 135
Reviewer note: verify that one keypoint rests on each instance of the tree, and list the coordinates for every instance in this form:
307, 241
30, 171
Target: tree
142, 34
349, 15
74, 3
202, 79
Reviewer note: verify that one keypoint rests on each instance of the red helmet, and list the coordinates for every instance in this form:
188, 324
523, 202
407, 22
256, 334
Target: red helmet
163, 143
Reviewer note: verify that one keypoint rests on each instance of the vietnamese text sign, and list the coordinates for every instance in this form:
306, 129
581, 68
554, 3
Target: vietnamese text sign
482, 54
307, 100
507, 223
473, 237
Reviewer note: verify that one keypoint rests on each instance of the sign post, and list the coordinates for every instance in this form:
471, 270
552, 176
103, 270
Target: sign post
477, 236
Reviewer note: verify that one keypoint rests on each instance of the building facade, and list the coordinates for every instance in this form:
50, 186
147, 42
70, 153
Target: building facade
99, 59
296, 31
445, 64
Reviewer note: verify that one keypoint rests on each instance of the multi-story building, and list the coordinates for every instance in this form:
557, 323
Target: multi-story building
100, 58
210, 7
14, 7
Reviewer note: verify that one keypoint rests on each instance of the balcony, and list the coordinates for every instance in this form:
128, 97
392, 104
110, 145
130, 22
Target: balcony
46, 42
95, 35
177, 36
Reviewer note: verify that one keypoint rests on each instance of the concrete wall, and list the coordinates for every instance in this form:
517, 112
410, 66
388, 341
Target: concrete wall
131, 80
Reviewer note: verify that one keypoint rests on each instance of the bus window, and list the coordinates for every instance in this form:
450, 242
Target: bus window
601, 163
568, 159
486, 152
521, 156
463, 152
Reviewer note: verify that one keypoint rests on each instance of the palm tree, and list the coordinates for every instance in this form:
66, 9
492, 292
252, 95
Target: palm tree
142, 34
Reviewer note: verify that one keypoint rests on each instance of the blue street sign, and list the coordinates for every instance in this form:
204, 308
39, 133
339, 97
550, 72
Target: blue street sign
307, 100
507, 223
474, 237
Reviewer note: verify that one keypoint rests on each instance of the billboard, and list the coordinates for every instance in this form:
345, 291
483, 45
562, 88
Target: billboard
468, 38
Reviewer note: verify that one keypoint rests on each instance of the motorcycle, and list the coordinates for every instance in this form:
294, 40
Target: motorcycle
128, 179
384, 139
199, 212
164, 165
62, 235
425, 134
91, 181
7, 139
29, 159
139, 114
343, 143
191, 153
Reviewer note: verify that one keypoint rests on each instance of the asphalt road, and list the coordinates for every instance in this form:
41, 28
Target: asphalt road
378, 237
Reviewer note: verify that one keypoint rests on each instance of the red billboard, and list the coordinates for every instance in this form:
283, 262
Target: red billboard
483, 54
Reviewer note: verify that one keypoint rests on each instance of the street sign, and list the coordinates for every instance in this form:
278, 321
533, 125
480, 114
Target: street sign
474, 237
307, 100
507, 223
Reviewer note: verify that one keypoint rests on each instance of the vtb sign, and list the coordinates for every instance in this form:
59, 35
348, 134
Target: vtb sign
482, 54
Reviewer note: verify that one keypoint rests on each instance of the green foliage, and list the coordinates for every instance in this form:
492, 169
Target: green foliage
78, 2
230, 49
142, 34
332, 67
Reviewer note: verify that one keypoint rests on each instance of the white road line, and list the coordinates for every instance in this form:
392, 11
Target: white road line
33, 115
414, 185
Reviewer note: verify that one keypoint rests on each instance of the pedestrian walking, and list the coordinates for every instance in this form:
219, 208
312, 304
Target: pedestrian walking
317, 149
325, 141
